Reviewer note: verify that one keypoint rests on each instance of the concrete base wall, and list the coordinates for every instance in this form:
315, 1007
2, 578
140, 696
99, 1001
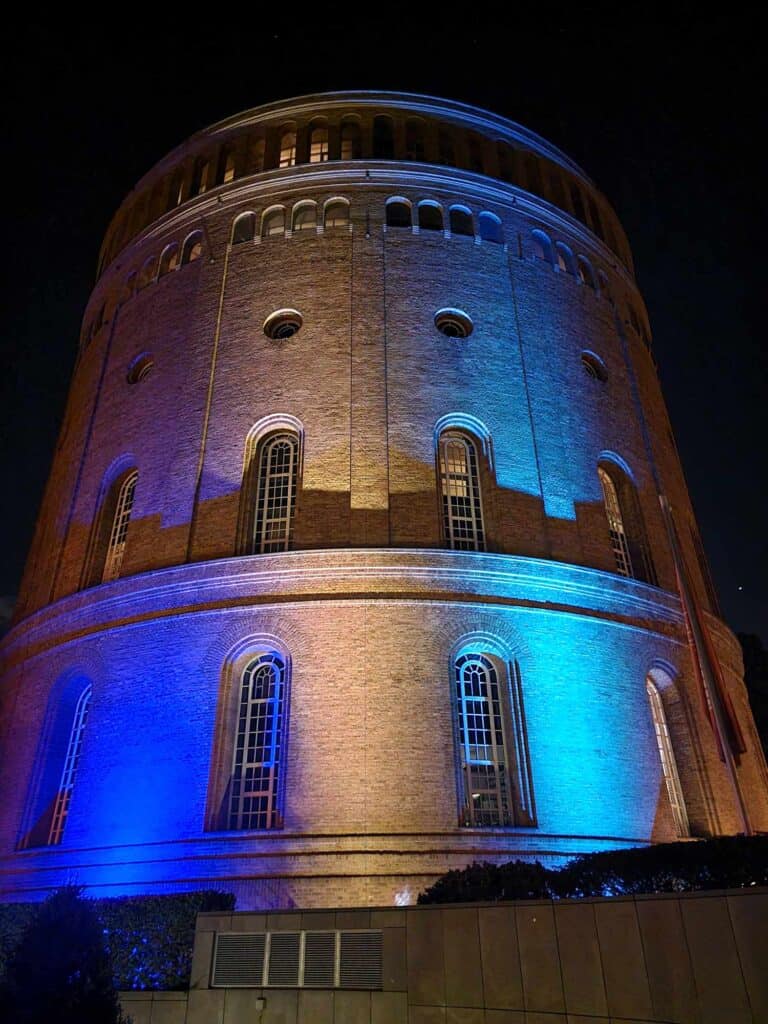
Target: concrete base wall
693, 959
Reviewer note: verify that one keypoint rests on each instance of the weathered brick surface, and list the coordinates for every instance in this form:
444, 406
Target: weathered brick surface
371, 803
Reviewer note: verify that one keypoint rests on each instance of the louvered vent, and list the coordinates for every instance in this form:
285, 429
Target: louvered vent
360, 960
239, 960
284, 959
320, 959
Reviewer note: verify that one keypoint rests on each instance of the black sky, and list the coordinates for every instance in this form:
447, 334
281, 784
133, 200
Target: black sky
665, 113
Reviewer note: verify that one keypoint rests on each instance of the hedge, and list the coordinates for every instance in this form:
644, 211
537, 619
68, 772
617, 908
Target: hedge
727, 862
149, 938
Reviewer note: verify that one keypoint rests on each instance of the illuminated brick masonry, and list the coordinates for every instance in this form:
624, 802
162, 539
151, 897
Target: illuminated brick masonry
366, 550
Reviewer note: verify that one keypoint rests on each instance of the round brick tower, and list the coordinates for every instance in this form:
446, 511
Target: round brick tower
366, 550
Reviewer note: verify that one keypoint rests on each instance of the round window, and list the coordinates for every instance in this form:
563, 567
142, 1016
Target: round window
283, 324
140, 368
594, 366
453, 323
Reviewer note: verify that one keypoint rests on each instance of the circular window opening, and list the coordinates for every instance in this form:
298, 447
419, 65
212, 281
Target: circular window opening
594, 366
283, 324
140, 368
453, 323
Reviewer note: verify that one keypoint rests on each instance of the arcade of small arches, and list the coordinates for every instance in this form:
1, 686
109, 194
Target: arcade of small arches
247, 789
272, 479
354, 137
426, 216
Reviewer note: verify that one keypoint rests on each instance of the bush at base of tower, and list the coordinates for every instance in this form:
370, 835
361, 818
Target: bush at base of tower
726, 862
148, 939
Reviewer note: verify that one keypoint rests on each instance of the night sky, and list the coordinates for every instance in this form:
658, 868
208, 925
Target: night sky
665, 114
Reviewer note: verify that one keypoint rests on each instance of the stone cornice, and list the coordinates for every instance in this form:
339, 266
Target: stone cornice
370, 574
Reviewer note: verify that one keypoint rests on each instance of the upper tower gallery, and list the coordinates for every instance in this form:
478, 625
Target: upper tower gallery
366, 549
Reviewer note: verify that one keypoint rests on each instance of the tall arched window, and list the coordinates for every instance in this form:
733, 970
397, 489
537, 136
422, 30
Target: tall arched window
542, 245
273, 222
586, 273
193, 248
461, 221
318, 145
244, 228
226, 166
69, 771
350, 141
169, 259
446, 153
287, 149
490, 228
336, 214
270, 482
116, 545
460, 492
398, 213
430, 217
625, 523
565, 261
201, 177
304, 217
495, 779
106, 548
667, 757
59, 759
255, 796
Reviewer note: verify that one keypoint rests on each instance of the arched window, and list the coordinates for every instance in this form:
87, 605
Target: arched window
490, 228
69, 771
255, 794
430, 217
106, 548
273, 222
460, 492
351, 148
287, 149
119, 530
625, 523
336, 214
318, 145
414, 139
586, 273
268, 501
667, 756
61, 748
244, 228
398, 213
495, 779
383, 138
169, 259
193, 248
461, 221
565, 261
304, 217
147, 273
542, 246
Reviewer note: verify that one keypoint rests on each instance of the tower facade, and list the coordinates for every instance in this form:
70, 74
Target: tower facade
366, 550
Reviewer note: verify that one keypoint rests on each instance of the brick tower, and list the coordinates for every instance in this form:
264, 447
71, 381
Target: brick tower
366, 550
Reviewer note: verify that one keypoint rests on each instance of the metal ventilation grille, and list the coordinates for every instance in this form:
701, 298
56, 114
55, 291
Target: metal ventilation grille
320, 959
239, 960
360, 960
284, 958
